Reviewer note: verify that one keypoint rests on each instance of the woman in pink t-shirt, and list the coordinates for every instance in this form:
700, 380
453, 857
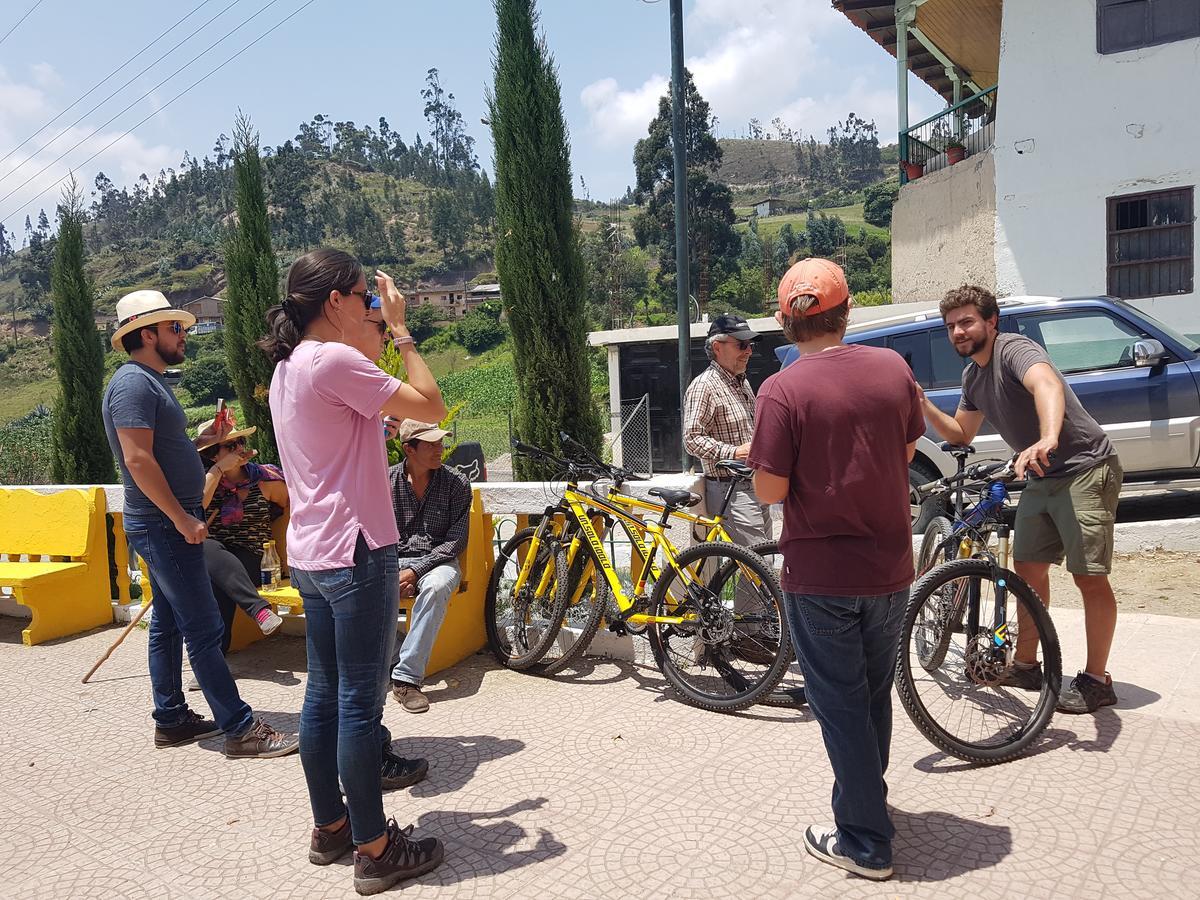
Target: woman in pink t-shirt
327, 400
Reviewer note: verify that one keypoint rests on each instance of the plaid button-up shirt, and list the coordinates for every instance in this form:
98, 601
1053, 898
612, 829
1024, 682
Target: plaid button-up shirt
434, 527
718, 416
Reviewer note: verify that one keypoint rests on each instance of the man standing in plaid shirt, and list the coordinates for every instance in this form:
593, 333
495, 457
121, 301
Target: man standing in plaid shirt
718, 422
433, 507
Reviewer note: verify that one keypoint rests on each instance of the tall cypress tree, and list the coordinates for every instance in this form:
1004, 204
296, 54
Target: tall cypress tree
79, 451
252, 287
537, 249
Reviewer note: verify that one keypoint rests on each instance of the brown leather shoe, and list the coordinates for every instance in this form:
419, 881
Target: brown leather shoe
402, 858
330, 846
261, 741
410, 697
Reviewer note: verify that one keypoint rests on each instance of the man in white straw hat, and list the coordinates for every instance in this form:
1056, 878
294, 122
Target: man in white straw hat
163, 512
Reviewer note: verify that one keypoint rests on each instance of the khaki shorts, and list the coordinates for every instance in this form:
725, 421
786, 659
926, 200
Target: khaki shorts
1072, 517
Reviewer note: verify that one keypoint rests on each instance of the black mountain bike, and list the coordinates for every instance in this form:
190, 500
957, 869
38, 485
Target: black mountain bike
967, 614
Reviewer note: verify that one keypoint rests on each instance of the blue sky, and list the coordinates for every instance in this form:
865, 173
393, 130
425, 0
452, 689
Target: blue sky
360, 59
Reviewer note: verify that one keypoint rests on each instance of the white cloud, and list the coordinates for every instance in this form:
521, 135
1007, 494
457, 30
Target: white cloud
45, 75
753, 57
24, 107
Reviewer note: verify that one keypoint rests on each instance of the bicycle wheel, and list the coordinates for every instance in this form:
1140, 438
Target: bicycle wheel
790, 690
734, 647
522, 624
960, 704
933, 544
587, 600
936, 620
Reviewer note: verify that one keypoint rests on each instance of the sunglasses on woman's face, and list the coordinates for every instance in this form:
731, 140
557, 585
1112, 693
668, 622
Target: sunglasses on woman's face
367, 297
232, 446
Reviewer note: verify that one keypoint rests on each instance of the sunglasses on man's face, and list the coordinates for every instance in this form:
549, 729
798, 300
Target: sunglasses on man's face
233, 446
175, 327
382, 326
741, 345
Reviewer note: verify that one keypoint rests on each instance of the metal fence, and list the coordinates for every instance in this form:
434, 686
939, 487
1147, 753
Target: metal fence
959, 131
631, 446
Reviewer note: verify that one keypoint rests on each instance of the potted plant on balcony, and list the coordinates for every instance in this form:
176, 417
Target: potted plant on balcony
912, 170
955, 151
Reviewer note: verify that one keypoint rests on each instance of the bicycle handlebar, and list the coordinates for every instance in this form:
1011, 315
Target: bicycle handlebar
984, 471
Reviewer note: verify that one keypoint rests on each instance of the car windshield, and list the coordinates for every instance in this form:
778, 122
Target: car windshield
1191, 341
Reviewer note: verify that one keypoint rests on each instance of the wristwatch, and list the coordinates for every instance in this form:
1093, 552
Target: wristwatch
402, 341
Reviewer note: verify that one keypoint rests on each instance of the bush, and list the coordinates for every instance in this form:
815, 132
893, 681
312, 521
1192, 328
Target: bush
25, 449
478, 331
873, 298
206, 378
878, 201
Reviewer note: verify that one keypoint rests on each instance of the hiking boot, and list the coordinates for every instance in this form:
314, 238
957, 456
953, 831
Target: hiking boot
330, 846
398, 772
261, 741
268, 621
1087, 694
194, 727
1027, 678
402, 858
757, 651
410, 697
823, 845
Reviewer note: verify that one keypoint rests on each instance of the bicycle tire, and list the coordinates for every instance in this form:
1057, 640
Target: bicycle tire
580, 620
933, 634
789, 693
534, 642
910, 695
933, 540
724, 558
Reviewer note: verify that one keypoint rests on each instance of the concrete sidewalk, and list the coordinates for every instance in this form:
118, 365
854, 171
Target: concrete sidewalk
593, 786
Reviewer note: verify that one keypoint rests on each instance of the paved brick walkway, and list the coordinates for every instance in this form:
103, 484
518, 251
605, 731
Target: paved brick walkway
594, 787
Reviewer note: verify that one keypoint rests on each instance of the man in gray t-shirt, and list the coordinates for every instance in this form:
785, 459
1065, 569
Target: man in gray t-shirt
164, 522
1068, 508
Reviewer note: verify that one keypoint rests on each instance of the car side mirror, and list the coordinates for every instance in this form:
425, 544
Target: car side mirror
1148, 353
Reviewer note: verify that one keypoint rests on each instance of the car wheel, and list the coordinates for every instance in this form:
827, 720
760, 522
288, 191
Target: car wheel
919, 473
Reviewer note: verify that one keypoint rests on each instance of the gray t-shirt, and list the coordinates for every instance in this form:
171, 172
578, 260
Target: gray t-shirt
996, 391
138, 397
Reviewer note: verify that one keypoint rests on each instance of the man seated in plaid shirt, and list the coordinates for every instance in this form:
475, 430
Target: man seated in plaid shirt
433, 506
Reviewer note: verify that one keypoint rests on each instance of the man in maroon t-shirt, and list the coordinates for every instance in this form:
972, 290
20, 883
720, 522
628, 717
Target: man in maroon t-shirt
834, 434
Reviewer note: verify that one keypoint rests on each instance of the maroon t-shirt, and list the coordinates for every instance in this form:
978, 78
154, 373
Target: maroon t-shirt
836, 424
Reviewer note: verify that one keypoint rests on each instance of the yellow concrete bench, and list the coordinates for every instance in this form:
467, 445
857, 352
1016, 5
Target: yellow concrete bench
65, 580
462, 633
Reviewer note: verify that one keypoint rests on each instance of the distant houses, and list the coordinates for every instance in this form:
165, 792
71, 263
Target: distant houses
454, 301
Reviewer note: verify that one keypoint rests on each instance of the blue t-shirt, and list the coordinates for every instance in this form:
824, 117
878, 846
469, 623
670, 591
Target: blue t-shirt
138, 397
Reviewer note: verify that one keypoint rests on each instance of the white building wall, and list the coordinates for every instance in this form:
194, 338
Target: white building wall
1075, 127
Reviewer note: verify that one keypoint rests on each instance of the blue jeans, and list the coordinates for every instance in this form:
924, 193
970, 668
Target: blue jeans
185, 610
846, 647
434, 590
350, 617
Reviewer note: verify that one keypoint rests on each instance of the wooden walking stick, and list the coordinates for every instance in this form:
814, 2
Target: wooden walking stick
132, 622
107, 653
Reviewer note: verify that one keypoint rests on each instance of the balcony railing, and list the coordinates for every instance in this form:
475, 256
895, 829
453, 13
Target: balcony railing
961, 130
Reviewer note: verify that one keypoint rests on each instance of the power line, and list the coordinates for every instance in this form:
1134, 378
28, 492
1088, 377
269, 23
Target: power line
52, 140
20, 20
79, 100
128, 131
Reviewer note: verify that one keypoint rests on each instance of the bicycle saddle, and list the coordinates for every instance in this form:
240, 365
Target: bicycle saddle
736, 467
675, 499
958, 451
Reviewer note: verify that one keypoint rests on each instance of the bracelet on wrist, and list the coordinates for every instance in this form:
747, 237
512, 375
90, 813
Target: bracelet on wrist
405, 340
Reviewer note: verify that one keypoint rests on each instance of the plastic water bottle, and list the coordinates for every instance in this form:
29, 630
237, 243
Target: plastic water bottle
269, 568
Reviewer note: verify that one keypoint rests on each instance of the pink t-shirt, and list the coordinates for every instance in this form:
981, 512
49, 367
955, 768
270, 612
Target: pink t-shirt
325, 402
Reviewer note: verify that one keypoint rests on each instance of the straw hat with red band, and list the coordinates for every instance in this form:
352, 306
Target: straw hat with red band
820, 279
141, 309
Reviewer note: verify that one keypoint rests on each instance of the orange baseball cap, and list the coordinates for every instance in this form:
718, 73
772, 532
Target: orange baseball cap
817, 278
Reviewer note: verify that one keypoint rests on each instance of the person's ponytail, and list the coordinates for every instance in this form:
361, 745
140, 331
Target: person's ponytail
310, 281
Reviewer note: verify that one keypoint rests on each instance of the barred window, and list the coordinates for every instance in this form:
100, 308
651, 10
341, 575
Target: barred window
1128, 24
1150, 244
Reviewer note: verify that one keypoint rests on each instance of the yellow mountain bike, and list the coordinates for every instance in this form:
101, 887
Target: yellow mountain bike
713, 614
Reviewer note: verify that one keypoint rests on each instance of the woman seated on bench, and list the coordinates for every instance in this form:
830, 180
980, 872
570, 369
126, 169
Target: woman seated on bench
238, 500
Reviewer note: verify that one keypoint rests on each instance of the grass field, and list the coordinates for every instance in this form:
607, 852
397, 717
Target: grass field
851, 215
18, 399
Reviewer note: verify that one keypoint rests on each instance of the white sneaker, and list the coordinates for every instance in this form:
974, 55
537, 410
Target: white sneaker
823, 845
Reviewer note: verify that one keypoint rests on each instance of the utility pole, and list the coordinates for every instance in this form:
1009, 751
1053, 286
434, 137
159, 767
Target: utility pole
682, 309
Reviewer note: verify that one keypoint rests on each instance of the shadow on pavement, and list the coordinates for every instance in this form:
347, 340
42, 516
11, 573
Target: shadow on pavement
491, 842
453, 761
936, 846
